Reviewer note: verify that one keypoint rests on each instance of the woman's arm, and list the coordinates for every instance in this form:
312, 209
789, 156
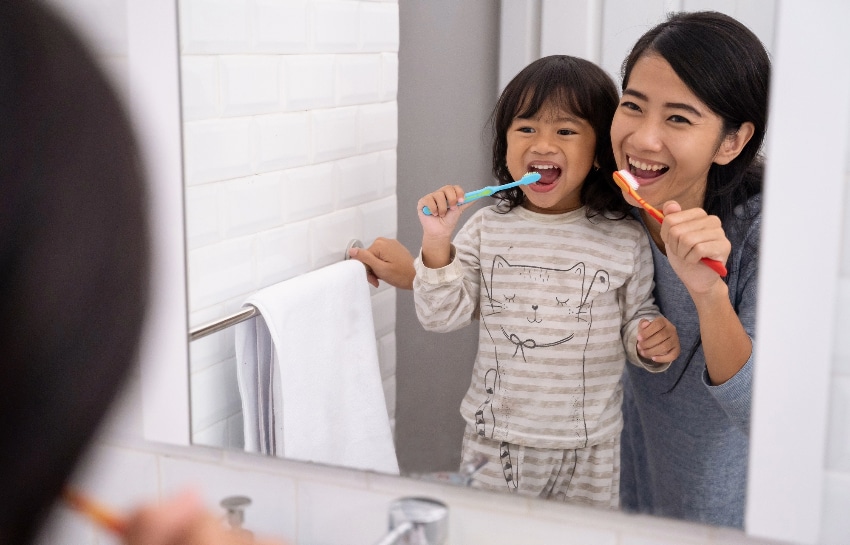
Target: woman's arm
689, 235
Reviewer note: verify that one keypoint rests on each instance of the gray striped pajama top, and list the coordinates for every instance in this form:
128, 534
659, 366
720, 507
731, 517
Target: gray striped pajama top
559, 298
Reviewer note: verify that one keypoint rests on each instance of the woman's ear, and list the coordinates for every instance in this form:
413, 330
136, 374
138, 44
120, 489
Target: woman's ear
733, 143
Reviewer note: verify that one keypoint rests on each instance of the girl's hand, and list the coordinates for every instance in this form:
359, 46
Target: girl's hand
445, 210
437, 228
658, 340
690, 235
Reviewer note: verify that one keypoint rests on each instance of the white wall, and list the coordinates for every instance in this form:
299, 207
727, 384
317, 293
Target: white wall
290, 132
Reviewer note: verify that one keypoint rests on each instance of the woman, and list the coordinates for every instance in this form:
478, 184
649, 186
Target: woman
689, 127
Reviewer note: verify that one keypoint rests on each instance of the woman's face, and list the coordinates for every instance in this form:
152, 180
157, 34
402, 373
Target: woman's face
561, 147
664, 135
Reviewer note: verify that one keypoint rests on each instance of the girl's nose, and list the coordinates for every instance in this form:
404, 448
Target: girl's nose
543, 144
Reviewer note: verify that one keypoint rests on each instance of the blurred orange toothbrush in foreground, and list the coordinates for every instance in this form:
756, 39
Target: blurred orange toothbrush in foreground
101, 515
627, 183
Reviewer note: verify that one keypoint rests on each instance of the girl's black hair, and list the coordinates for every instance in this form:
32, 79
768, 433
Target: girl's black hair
726, 66
577, 86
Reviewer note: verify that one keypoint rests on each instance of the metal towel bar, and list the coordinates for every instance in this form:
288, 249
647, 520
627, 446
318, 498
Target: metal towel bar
247, 312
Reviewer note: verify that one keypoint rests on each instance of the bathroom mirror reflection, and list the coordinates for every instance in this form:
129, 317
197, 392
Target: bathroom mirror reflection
308, 124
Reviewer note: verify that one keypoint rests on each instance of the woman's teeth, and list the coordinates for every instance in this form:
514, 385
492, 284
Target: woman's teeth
645, 166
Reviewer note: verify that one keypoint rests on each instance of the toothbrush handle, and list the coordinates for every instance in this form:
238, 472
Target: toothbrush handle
468, 197
715, 265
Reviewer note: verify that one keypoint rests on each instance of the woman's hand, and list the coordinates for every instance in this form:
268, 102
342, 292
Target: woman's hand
388, 260
438, 227
182, 520
690, 235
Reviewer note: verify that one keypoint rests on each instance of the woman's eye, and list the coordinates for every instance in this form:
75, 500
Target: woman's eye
679, 119
630, 106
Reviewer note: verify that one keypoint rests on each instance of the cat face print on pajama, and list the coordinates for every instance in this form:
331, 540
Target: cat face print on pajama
530, 313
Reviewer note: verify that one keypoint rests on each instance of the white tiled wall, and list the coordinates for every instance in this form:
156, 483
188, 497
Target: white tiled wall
290, 130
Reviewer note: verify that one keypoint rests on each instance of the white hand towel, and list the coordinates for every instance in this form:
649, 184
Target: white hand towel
327, 401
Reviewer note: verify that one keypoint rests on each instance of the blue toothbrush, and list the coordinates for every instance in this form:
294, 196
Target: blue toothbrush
529, 178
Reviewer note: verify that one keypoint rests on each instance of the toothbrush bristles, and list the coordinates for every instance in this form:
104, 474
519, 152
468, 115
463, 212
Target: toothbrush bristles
629, 179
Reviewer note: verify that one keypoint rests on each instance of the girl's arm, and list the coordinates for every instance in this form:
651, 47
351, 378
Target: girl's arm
644, 331
437, 228
447, 298
689, 236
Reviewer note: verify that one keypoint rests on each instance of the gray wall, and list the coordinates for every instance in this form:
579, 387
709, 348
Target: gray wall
448, 72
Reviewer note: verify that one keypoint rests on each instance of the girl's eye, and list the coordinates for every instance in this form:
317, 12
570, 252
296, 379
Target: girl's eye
630, 106
566, 132
527, 130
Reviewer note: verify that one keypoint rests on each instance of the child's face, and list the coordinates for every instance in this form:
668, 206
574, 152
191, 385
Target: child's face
666, 136
558, 145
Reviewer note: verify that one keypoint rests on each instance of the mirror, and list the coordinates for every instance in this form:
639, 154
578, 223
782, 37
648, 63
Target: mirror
242, 140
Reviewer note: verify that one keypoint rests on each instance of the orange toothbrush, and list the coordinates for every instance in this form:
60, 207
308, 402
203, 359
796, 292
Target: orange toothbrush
627, 182
101, 515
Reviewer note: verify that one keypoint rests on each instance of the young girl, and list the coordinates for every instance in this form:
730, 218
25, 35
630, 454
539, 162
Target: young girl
561, 279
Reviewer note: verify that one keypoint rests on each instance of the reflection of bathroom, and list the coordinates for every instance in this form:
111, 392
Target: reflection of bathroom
339, 83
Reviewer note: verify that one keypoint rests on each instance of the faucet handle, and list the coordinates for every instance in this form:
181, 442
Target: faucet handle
417, 521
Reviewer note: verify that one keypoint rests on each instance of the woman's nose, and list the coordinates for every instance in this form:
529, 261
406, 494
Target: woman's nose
647, 136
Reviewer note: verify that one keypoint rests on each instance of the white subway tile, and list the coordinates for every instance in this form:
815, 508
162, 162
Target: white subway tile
334, 133
214, 348
283, 141
359, 178
217, 150
251, 204
468, 525
378, 126
379, 29
330, 235
273, 498
309, 192
198, 87
202, 217
236, 432
214, 435
215, 395
358, 79
220, 272
389, 162
335, 514
283, 253
119, 477
308, 82
379, 218
389, 77
336, 27
249, 84
281, 26
383, 311
838, 441
215, 26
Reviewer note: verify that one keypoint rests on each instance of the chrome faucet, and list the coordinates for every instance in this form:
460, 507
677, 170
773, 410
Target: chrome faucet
417, 521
